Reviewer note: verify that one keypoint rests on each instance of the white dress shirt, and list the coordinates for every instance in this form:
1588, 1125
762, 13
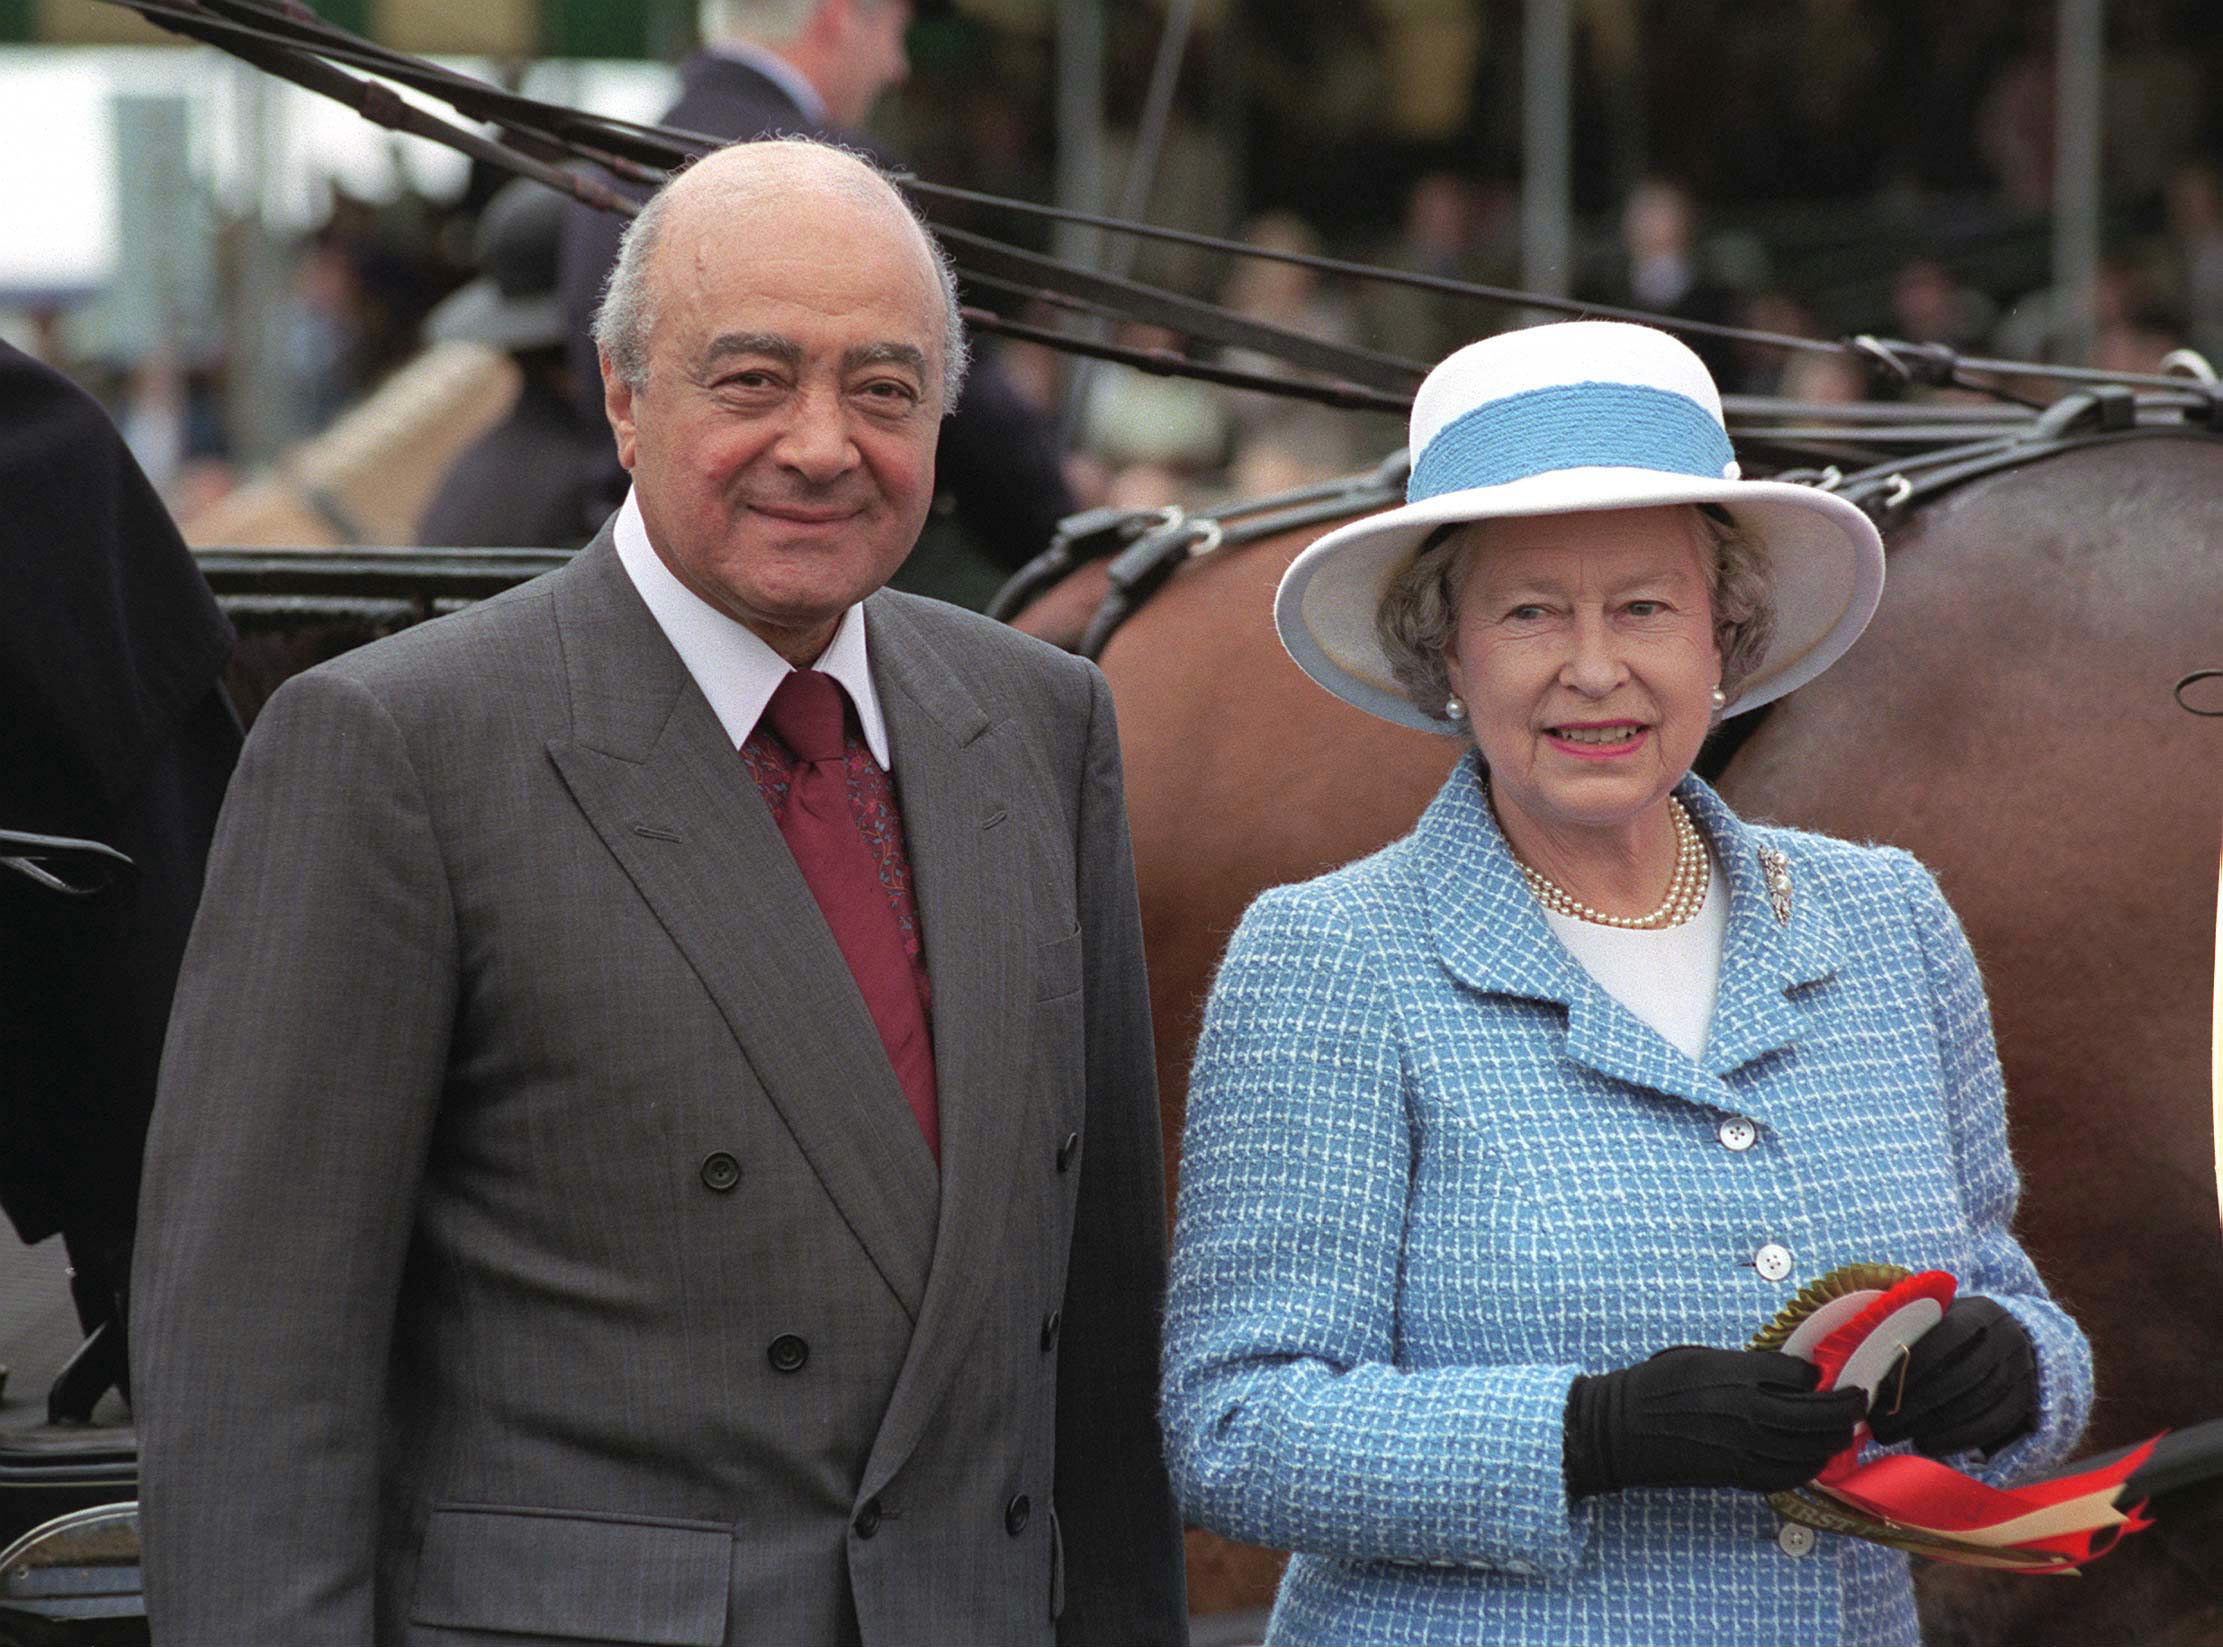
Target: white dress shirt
1667, 976
736, 670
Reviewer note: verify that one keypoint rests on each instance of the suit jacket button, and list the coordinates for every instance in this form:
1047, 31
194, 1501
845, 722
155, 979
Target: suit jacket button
1067, 1150
1016, 1515
868, 1518
1050, 1325
787, 1353
720, 1171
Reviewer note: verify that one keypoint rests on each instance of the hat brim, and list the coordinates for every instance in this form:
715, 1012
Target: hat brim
480, 313
1825, 555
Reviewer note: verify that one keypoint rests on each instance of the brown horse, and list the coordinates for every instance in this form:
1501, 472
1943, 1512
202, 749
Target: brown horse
2009, 719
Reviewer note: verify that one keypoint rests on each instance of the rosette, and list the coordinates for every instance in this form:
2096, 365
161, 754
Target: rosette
1857, 1325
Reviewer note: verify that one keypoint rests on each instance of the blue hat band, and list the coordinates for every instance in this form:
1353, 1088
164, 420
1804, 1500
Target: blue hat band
1571, 426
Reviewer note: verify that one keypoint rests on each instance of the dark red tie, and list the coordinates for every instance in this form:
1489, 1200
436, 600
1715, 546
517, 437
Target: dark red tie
808, 714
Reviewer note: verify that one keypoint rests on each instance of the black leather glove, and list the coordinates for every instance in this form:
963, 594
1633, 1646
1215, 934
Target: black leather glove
1971, 1381
1694, 1417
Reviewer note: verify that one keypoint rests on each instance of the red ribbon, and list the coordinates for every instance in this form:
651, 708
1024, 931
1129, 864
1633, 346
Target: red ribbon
1926, 1496
1922, 1493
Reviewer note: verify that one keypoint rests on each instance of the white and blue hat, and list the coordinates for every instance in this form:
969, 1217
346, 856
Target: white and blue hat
1588, 414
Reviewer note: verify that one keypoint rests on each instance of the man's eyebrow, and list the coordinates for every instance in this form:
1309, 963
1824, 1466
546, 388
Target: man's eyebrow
729, 345
884, 354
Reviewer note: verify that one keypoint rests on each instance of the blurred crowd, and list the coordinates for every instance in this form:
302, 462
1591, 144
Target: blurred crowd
1937, 232
1147, 438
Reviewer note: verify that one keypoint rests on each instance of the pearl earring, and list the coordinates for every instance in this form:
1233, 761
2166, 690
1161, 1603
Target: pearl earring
1454, 710
1720, 700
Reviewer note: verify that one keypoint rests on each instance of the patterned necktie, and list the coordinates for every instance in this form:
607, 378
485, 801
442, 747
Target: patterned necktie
808, 714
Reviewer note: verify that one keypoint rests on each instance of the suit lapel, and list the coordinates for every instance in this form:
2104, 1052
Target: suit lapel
950, 770
1764, 958
649, 765
1491, 935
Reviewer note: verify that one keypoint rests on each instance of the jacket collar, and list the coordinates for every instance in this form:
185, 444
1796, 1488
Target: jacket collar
1491, 936
776, 71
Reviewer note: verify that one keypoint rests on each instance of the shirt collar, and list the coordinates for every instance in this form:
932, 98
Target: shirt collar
736, 670
779, 71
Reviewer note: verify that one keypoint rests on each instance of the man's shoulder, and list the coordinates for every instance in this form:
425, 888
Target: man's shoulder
982, 653
481, 650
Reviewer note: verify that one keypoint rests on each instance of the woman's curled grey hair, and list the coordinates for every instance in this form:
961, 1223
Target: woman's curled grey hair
1420, 607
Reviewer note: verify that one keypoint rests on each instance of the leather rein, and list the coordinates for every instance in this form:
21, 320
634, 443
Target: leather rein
1146, 547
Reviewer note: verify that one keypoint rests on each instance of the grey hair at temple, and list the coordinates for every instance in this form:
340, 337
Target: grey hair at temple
625, 319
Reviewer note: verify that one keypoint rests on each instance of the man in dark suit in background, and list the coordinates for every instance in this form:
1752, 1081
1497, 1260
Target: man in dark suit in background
658, 1140
816, 68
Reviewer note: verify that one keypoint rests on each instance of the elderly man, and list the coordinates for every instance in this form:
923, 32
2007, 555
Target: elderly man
771, 68
657, 1142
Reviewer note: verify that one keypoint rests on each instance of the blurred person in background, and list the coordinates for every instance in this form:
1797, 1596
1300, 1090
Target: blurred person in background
1297, 299
1823, 379
1664, 273
2139, 341
1306, 446
319, 336
816, 68
1174, 429
1285, 294
1928, 305
2129, 296
1762, 367
2015, 120
2195, 217
522, 484
171, 416
1455, 230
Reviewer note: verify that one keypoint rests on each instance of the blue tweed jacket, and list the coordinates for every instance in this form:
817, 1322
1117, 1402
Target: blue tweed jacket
1433, 1172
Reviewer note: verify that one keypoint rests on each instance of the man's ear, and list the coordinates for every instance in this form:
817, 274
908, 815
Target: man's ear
617, 405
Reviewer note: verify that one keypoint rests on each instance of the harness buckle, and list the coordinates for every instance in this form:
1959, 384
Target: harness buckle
1090, 535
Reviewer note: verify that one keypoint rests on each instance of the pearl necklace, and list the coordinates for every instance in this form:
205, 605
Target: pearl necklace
1685, 892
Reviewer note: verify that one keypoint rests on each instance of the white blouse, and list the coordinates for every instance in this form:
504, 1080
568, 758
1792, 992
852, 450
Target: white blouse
1666, 976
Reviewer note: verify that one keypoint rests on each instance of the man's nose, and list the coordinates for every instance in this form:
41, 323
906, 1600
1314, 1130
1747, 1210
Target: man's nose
1594, 666
815, 443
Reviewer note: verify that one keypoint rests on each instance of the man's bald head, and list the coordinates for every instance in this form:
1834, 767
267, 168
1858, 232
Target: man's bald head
706, 208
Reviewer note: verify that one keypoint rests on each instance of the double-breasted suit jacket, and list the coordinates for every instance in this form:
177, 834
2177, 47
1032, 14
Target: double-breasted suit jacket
538, 1245
1433, 1172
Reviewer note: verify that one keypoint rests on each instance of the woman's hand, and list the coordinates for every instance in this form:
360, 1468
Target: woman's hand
1971, 1382
1695, 1417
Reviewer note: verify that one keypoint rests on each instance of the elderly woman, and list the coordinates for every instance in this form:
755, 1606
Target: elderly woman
1502, 1141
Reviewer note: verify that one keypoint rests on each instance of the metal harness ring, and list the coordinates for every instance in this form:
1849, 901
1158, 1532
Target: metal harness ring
2194, 679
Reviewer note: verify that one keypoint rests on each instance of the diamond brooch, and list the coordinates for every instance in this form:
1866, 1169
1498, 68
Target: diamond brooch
1777, 870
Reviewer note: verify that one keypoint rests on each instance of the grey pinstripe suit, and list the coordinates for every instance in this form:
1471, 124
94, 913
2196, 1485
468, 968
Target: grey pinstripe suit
453, 1324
